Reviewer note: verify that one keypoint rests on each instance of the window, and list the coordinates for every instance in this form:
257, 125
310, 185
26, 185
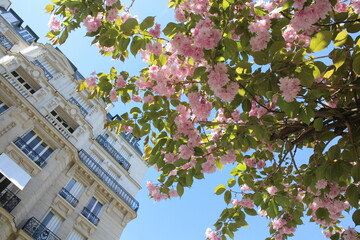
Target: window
34, 147
5, 183
74, 235
92, 211
49, 226
94, 206
72, 191
22, 82
62, 121
3, 107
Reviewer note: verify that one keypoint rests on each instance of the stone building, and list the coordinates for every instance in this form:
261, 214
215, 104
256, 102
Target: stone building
62, 175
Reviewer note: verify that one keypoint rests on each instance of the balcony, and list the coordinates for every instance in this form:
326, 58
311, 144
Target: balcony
132, 141
113, 152
82, 109
68, 197
90, 216
38, 231
5, 42
108, 180
8, 200
62, 127
30, 152
26, 92
48, 75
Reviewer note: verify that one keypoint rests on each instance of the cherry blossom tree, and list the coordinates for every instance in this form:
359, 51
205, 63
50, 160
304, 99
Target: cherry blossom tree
242, 83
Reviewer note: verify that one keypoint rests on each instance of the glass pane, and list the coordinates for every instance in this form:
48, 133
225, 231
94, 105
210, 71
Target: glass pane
91, 204
70, 185
28, 136
97, 208
34, 142
40, 148
47, 218
47, 153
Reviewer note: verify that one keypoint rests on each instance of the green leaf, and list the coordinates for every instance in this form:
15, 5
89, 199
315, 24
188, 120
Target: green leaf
340, 38
147, 23
49, 8
318, 124
227, 196
322, 213
356, 64
320, 41
180, 189
356, 217
136, 44
63, 37
220, 189
231, 182
355, 172
129, 26
250, 212
123, 43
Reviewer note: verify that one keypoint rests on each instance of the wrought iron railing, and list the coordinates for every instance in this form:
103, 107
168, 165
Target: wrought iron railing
90, 216
30, 152
113, 152
135, 145
48, 75
5, 42
68, 197
82, 109
39, 231
8, 200
108, 180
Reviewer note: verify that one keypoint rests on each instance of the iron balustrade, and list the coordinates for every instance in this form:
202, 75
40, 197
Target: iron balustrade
113, 152
108, 180
39, 231
8, 200
128, 137
90, 216
5, 42
82, 109
68, 197
30, 152
48, 75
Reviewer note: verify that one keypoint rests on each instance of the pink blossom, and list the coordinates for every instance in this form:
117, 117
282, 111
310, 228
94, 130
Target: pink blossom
185, 151
355, 4
113, 95
136, 98
148, 99
110, 2
262, 213
278, 236
350, 234
272, 190
91, 81
128, 129
290, 88
200, 106
340, 6
298, 4
207, 38
170, 158
173, 193
112, 15
212, 235
54, 24
260, 164
143, 84
326, 234
230, 157
321, 184
180, 15
260, 41
209, 165
91, 23
278, 223
250, 162
155, 32
120, 82
245, 187
155, 48
247, 202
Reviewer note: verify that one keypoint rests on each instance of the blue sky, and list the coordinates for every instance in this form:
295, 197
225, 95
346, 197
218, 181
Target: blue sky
176, 219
